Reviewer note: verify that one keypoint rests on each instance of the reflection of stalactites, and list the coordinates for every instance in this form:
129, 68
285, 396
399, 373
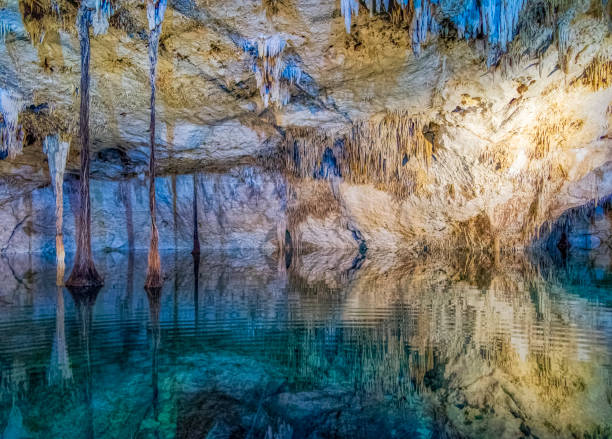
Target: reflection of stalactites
59, 370
84, 300
154, 299
196, 294
14, 424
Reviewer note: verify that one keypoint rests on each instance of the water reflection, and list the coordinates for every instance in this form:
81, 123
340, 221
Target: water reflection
336, 345
84, 300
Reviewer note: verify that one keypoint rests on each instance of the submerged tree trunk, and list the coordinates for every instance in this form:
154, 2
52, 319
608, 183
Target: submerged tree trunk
196, 238
84, 272
155, 14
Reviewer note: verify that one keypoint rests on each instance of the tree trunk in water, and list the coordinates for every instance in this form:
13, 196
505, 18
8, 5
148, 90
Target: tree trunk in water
84, 273
196, 238
154, 277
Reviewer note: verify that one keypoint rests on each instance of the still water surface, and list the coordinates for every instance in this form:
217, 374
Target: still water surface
336, 346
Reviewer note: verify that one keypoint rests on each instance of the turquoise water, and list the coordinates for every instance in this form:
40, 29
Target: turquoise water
335, 346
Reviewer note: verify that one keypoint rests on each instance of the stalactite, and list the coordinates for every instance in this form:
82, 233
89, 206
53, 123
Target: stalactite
100, 17
57, 154
496, 20
273, 74
84, 273
598, 74
155, 16
11, 132
551, 133
564, 36
390, 152
196, 237
348, 8
5, 29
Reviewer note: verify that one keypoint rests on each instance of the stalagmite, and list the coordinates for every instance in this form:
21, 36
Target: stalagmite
57, 153
84, 273
155, 16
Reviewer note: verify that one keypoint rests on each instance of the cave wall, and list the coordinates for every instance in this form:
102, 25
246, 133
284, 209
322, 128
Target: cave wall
509, 146
249, 207
238, 209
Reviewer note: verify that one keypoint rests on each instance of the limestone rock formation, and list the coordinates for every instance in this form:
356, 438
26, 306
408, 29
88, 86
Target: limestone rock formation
475, 139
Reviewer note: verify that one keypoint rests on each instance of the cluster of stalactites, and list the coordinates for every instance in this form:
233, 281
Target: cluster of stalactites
497, 20
98, 13
564, 36
57, 154
598, 74
391, 152
155, 12
423, 21
273, 74
11, 132
5, 29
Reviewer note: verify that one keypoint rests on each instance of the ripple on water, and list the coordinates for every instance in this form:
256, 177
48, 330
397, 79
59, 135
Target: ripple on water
405, 349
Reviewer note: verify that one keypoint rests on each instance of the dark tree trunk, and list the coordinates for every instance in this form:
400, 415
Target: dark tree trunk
154, 277
196, 238
84, 273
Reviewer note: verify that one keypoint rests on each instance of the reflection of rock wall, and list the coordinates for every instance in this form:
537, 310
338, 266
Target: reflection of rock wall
503, 348
490, 348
